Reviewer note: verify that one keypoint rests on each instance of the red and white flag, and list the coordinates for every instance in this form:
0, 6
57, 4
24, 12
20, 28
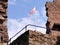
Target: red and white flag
33, 11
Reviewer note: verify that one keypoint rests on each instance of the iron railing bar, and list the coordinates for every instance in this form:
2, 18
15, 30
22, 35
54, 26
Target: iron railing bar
36, 26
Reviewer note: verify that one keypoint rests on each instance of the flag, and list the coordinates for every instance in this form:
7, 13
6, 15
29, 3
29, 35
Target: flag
33, 11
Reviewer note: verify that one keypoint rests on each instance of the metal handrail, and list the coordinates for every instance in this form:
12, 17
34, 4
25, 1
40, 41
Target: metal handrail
36, 26
26, 29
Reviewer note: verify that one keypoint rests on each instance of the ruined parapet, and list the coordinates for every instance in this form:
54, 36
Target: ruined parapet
3, 22
53, 22
53, 14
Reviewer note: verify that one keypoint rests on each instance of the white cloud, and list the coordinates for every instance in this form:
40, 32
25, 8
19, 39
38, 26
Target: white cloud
49, 0
12, 2
43, 11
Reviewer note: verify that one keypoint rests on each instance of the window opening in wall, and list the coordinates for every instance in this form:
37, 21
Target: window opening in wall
56, 27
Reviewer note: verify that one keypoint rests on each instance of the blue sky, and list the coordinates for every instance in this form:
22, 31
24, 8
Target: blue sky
18, 14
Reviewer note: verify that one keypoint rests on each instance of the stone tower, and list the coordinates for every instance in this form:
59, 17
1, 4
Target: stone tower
53, 14
3, 22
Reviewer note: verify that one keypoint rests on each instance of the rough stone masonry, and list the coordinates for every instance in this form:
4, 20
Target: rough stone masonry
3, 22
53, 14
34, 38
53, 22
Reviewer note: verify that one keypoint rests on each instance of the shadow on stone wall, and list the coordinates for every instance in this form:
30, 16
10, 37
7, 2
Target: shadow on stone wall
58, 40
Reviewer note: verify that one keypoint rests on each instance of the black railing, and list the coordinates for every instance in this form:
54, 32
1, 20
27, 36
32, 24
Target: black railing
25, 29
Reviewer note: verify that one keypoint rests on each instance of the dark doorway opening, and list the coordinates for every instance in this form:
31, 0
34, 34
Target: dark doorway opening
56, 27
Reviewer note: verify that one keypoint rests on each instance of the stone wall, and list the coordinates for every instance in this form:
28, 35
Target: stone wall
3, 22
53, 14
35, 38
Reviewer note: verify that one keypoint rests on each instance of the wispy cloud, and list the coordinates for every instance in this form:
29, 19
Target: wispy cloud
12, 2
43, 12
49, 0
